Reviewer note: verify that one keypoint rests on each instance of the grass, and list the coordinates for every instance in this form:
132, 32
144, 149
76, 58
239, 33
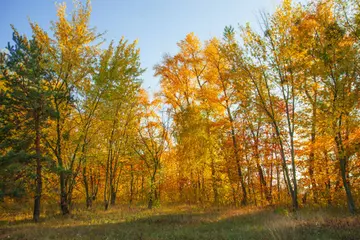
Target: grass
183, 222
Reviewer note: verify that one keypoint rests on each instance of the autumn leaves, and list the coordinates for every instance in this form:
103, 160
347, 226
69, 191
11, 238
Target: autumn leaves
257, 117
284, 88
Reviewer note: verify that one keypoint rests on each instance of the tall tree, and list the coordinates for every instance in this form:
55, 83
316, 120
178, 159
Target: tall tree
71, 56
27, 107
119, 71
152, 141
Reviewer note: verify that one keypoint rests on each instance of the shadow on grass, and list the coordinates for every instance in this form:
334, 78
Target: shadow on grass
260, 224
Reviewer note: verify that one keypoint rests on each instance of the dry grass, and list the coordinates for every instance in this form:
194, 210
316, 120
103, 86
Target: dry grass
182, 222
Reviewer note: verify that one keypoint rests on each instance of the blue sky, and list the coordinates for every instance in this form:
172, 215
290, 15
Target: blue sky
157, 24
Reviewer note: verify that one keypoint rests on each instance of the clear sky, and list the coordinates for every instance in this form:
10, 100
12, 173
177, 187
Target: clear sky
157, 24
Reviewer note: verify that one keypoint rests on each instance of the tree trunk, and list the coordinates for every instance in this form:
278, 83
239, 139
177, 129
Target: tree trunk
131, 185
312, 154
94, 184
112, 195
151, 193
214, 184
87, 190
36, 215
350, 200
88, 202
142, 188
278, 182
343, 161
244, 199
291, 191
237, 159
63, 194
328, 182
262, 181
270, 182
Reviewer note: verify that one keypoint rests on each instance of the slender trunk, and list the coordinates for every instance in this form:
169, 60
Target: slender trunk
350, 200
278, 182
290, 120
159, 191
156, 193
270, 182
205, 193
87, 190
89, 198
199, 199
131, 185
311, 175
252, 187
262, 181
151, 193
107, 177
312, 154
214, 184
194, 186
291, 191
112, 195
106, 203
36, 215
343, 161
94, 184
152, 188
63, 193
294, 193
328, 182
84, 172
236, 154
142, 188
232, 188
237, 159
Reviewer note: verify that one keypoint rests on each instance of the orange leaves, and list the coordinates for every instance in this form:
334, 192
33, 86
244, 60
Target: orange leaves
353, 142
190, 45
181, 75
143, 96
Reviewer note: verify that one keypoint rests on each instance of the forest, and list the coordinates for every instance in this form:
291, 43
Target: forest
259, 123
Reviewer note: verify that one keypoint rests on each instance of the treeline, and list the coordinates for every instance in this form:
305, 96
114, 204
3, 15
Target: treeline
255, 117
271, 115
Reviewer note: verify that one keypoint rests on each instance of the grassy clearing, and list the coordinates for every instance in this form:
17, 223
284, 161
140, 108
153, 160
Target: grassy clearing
184, 222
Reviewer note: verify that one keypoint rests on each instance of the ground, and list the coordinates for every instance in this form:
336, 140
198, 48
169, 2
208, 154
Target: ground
183, 222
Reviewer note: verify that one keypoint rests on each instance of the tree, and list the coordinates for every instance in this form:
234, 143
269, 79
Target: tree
71, 54
152, 140
119, 73
338, 59
27, 107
